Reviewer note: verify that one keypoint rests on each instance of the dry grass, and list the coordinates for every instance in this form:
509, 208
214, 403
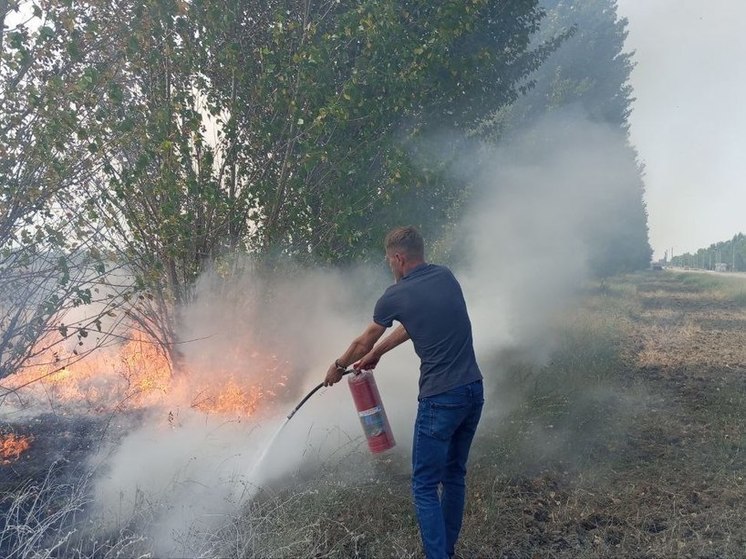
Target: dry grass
330, 519
627, 443
47, 519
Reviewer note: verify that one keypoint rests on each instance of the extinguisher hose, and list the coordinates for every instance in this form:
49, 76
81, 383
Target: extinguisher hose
312, 392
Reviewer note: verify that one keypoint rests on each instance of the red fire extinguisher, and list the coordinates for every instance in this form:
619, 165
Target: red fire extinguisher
370, 410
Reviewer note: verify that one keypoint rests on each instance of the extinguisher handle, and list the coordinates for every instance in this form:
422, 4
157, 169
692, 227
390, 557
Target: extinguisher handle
312, 392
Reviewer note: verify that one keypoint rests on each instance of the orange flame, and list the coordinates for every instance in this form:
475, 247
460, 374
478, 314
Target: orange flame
12, 446
138, 374
227, 392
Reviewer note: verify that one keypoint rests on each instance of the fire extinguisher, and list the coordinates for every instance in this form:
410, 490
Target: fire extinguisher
370, 410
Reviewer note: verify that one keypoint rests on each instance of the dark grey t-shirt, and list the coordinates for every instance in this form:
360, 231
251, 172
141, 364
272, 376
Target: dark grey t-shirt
429, 303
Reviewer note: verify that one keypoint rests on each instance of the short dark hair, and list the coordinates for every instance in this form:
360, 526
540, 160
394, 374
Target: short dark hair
407, 240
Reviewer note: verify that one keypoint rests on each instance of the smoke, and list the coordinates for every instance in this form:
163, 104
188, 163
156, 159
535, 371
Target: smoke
546, 200
540, 202
183, 472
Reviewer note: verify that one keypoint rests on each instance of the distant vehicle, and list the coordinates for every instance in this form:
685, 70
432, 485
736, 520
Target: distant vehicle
721, 267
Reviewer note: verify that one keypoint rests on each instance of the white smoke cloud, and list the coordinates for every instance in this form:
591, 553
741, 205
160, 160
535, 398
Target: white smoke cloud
186, 470
545, 197
527, 240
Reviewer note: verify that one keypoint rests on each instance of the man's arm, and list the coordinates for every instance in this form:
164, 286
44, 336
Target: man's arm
370, 359
359, 347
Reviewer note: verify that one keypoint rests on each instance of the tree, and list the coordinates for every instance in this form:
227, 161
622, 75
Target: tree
52, 68
321, 102
168, 134
166, 215
732, 253
589, 75
591, 68
282, 127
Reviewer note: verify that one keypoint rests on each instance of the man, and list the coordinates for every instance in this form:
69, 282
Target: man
428, 303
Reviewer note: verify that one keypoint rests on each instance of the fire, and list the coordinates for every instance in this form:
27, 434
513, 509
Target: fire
231, 398
138, 374
226, 392
12, 446
144, 366
106, 380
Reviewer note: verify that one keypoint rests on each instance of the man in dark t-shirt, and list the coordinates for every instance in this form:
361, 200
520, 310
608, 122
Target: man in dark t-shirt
428, 303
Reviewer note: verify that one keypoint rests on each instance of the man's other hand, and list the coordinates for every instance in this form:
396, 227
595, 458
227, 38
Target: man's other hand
333, 375
367, 363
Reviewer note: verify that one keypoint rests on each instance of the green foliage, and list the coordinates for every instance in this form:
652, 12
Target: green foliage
591, 70
321, 102
53, 67
159, 136
281, 128
727, 255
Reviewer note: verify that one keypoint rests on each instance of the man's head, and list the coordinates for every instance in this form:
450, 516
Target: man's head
405, 249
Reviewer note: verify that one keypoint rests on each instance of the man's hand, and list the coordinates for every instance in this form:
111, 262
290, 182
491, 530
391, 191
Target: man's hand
360, 346
370, 359
333, 375
367, 363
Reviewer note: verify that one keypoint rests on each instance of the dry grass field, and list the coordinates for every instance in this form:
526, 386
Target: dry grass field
627, 442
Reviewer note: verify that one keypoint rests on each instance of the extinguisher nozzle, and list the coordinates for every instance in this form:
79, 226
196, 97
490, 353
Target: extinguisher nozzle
312, 392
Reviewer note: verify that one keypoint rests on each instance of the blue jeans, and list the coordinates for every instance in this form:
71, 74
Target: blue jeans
443, 432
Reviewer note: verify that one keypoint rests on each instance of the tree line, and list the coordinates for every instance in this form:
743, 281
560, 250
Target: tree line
727, 255
142, 142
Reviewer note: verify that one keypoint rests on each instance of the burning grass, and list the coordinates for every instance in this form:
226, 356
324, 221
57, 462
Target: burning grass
138, 375
129, 376
12, 446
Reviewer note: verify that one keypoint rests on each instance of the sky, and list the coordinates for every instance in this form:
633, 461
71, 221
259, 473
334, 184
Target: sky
689, 118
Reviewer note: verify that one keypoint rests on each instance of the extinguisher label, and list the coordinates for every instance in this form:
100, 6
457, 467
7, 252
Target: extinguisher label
373, 421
